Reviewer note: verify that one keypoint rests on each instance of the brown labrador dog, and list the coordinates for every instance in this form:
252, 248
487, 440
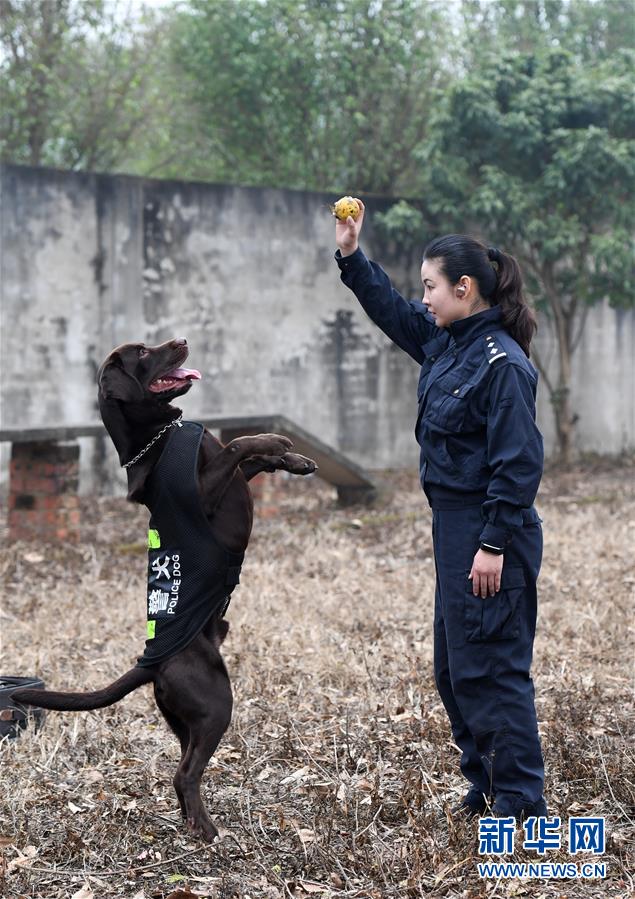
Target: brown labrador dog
191, 687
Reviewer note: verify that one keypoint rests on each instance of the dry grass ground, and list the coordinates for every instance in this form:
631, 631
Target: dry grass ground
336, 776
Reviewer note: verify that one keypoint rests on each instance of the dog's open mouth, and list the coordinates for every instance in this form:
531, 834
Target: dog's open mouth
175, 378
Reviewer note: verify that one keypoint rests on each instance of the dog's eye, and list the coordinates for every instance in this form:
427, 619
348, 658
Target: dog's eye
143, 352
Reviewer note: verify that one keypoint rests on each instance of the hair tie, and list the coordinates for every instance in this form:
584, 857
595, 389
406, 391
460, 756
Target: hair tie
494, 254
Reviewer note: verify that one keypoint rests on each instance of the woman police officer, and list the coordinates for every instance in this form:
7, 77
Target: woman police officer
481, 463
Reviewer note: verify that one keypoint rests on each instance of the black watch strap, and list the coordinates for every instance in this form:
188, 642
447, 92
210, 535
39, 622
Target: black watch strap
494, 550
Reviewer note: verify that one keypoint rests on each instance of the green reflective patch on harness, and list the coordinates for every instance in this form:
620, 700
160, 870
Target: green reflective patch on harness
152, 626
154, 541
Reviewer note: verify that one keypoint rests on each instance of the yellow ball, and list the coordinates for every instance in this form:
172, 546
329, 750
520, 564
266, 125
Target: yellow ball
344, 207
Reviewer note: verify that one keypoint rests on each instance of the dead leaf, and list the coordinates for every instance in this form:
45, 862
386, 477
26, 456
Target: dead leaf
308, 887
92, 775
24, 859
184, 893
33, 557
620, 838
365, 785
301, 772
84, 892
306, 834
321, 789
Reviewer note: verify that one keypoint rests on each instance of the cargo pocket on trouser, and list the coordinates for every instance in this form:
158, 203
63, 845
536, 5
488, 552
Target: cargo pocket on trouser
495, 617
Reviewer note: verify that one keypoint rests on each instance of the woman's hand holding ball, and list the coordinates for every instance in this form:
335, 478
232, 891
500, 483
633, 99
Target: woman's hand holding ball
349, 216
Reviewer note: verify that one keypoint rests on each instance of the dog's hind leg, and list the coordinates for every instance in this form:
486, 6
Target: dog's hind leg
195, 688
183, 733
205, 735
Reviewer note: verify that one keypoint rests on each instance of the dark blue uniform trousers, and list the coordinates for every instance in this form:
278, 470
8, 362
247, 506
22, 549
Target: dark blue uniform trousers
482, 656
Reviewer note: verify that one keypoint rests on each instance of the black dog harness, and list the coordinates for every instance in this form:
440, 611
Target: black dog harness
190, 575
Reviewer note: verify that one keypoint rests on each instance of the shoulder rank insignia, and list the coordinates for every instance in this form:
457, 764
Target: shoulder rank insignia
492, 350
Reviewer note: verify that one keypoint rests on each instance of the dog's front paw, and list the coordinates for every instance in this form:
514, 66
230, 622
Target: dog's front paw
271, 444
297, 464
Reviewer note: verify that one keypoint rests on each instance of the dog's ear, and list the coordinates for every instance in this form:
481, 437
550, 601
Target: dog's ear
115, 383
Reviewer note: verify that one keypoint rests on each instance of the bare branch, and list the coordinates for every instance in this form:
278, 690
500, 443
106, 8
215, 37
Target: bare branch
542, 368
581, 326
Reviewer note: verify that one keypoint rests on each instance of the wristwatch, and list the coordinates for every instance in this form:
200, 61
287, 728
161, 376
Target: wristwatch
494, 550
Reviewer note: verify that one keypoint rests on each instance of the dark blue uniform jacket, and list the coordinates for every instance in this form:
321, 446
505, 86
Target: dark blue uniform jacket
476, 395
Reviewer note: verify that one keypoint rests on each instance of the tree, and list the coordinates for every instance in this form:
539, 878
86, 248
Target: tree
313, 94
322, 94
515, 113
591, 30
538, 148
80, 82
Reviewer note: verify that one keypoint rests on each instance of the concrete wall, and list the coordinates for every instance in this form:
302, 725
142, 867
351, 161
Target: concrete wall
603, 382
247, 276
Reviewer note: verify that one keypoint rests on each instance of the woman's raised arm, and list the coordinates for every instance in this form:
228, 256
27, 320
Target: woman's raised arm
406, 322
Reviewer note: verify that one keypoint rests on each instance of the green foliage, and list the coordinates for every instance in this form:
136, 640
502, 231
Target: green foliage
512, 117
315, 94
80, 83
535, 151
403, 221
538, 151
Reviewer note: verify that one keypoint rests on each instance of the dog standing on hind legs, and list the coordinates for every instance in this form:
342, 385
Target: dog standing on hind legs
201, 517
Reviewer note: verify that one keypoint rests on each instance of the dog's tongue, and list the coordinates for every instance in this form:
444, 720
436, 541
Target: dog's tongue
184, 373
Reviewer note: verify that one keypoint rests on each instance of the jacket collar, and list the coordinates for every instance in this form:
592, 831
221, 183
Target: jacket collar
465, 330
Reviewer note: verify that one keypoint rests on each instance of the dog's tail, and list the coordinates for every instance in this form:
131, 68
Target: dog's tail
81, 702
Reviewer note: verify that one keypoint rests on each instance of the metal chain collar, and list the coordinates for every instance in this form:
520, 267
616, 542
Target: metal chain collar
172, 424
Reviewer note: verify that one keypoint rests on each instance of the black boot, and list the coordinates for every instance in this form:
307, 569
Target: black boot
516, 807
474, 803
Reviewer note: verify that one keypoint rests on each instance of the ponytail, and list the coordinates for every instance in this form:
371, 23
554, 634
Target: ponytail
518, 318
499, 280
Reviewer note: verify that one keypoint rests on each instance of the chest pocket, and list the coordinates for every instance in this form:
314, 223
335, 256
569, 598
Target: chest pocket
432, 350
449, 406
